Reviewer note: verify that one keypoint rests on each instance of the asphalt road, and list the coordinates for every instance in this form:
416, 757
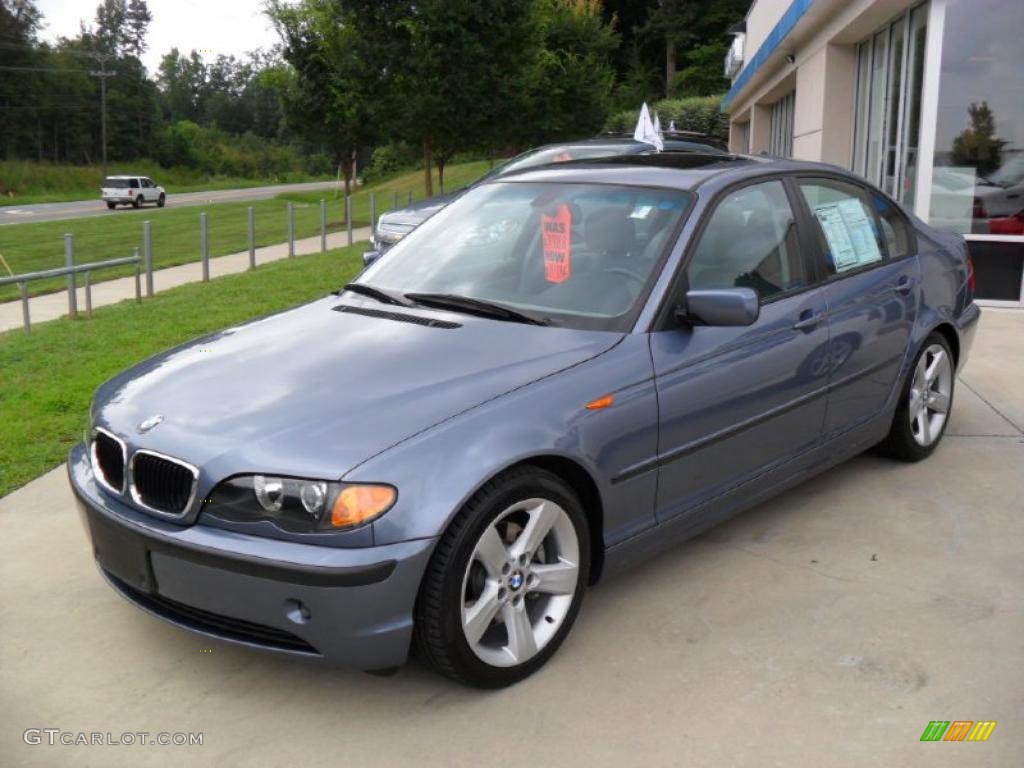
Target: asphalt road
827, 627
23, 214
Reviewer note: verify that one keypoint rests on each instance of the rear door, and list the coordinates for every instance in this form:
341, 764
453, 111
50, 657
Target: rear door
735, 402
871, 280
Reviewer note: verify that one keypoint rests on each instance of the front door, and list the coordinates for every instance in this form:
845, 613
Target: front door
735, 402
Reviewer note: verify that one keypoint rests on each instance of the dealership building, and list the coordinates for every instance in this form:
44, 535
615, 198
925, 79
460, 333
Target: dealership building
924, 99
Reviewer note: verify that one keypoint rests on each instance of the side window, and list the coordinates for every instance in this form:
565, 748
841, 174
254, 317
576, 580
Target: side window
846, 224
750, 241
895, 229
133, 184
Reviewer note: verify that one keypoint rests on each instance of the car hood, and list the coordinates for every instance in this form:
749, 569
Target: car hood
314, 392
416, 213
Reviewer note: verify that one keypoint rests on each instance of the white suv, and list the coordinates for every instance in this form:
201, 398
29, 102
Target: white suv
131, 190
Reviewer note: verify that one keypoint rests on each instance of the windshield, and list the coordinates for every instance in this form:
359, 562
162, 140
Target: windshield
579, 255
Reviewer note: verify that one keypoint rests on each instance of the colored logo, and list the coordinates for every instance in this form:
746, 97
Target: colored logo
958, 730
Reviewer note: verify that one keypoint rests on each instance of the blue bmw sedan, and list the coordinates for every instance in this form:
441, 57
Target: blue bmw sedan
561, 373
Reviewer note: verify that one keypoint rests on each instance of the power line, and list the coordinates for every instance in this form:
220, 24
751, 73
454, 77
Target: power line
43, 107
39, 69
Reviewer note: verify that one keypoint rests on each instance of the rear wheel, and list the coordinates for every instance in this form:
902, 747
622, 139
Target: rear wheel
925, 403
137, 202
506, 581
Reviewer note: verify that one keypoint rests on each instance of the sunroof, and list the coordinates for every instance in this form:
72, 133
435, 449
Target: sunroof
683, 160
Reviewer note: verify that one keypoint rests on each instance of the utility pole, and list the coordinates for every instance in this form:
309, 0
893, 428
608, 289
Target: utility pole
103, 73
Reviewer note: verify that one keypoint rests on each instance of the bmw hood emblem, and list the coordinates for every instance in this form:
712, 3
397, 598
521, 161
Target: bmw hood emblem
150, 423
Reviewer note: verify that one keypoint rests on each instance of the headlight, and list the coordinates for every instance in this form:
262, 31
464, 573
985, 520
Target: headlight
298, 505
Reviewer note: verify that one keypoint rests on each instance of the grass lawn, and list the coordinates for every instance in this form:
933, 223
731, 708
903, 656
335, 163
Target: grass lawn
31, 247
24, 182
49, 377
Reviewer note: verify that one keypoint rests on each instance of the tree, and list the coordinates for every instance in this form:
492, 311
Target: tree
138, 18
978, 145
331, 101
182, 80
111, 32
698, 27
572, 66
19, 23
460, 69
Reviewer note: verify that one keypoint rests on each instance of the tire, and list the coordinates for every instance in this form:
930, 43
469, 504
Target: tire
111, 206
137, 202
917, 427
536, 594
161, 201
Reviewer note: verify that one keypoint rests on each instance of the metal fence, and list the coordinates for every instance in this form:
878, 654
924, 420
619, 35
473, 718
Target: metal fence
144, 262
72, 270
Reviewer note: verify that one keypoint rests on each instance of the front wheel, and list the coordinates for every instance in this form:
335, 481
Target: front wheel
161, 201
925, 403
111, 206
506, 581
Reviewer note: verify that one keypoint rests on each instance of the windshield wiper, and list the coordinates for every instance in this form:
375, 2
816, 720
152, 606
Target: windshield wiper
474, 306
380, 294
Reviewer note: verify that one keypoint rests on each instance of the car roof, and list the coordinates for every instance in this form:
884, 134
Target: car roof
677, 141
680, 170
127, 176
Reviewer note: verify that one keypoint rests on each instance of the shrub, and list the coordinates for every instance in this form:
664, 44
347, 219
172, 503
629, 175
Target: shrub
389, 159
696, 113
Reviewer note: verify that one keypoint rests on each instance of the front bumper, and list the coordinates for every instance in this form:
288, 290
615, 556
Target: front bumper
347, 607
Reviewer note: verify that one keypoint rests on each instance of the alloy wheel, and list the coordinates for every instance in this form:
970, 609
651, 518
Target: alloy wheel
930, 395
520, 581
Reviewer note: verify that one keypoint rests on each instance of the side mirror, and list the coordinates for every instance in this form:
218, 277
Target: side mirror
720, 306
370, 256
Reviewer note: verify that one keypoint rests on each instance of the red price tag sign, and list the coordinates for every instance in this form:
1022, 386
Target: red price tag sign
557, 231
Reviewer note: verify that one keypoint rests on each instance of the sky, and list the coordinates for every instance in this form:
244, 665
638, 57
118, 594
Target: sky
210, 26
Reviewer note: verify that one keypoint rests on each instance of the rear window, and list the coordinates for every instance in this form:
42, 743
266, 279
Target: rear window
121, 183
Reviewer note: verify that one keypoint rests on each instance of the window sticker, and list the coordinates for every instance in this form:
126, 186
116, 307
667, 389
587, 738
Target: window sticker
557, 232
641, 212
850, 234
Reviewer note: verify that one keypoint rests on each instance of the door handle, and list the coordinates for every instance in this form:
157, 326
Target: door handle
808, 319
903, 286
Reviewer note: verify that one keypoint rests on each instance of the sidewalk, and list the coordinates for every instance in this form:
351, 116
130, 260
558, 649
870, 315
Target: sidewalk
54, 305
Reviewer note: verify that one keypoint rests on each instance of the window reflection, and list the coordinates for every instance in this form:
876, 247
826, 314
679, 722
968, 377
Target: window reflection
978, 179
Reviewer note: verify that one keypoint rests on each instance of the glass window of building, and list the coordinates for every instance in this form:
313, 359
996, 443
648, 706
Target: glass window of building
780, 131
890, 66
978, 178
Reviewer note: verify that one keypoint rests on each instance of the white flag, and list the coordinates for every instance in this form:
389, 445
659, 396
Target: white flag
645, 130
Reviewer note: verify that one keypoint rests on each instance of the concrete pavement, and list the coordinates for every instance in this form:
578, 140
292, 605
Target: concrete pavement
824, 628
50, 306
25, 214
